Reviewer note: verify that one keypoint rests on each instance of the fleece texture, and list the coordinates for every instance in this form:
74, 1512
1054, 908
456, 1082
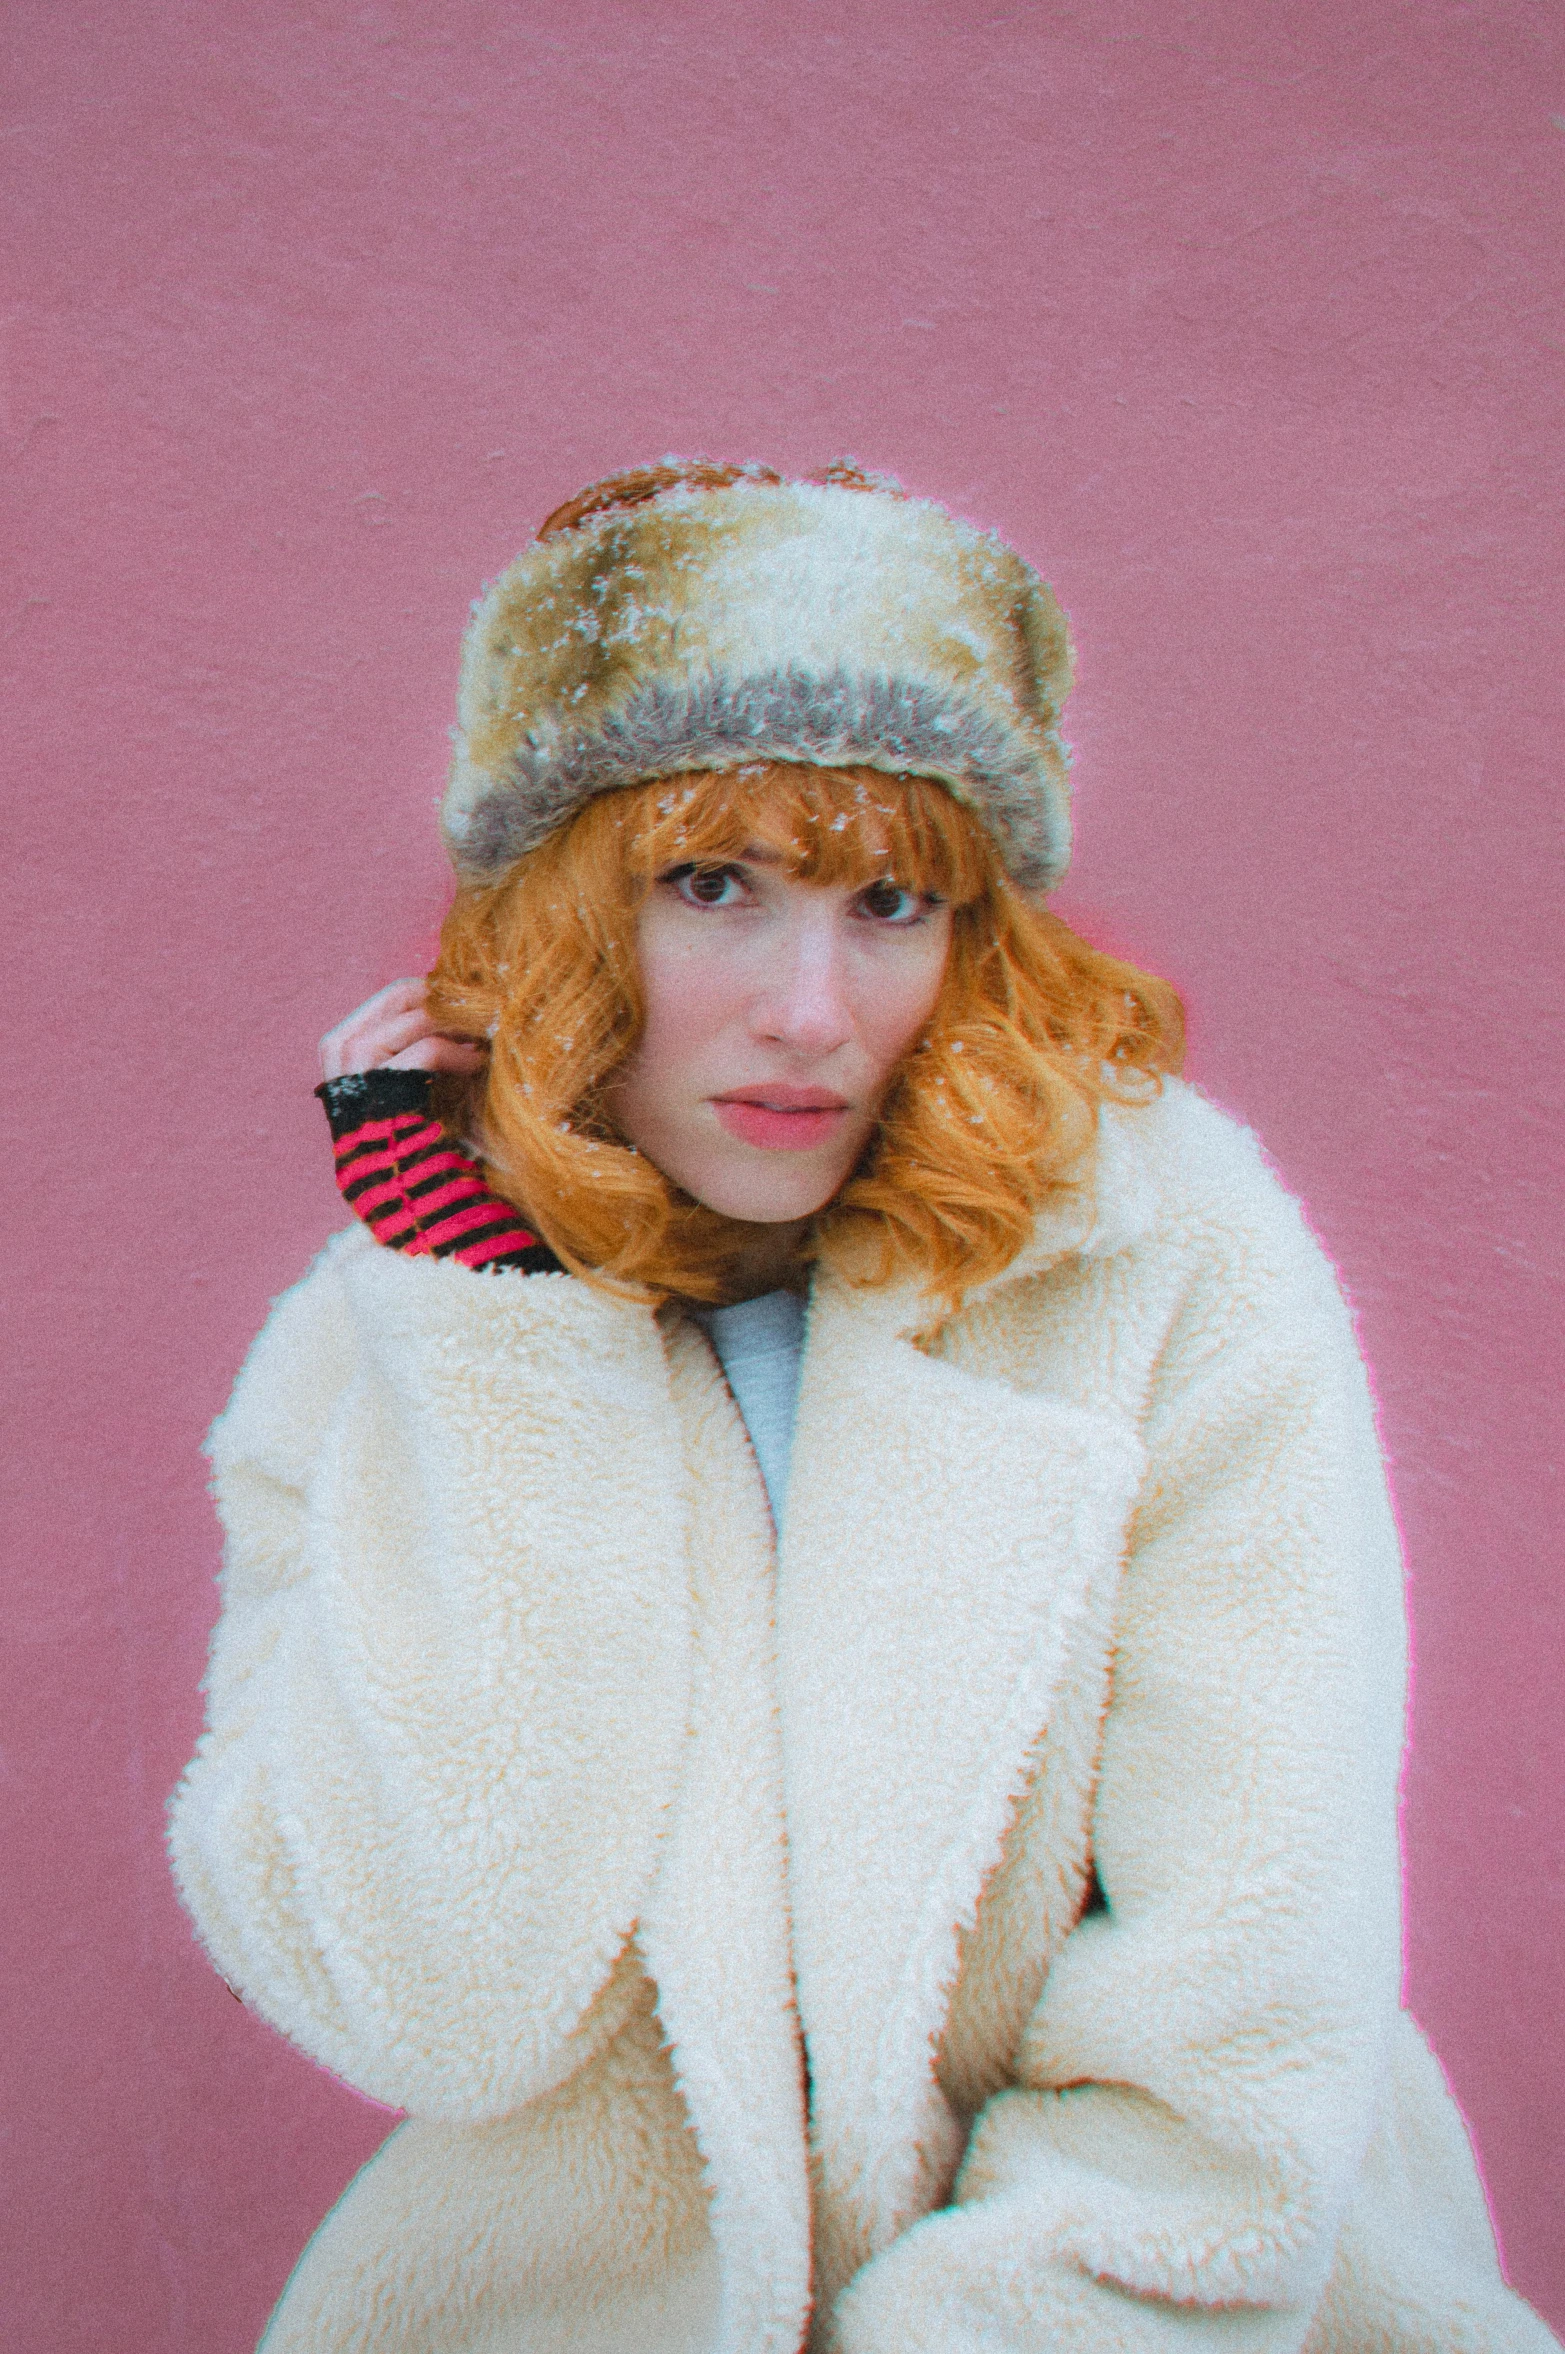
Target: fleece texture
972, 1931
788, 621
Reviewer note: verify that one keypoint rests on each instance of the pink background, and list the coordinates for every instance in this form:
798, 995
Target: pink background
1240, 318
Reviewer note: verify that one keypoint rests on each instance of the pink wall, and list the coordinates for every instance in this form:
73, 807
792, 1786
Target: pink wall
1236, 316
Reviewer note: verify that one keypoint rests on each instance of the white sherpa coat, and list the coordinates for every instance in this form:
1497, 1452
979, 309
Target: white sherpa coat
729, 1926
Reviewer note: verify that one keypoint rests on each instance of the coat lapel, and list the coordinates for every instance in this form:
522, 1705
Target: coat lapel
714, 1930
945, 1537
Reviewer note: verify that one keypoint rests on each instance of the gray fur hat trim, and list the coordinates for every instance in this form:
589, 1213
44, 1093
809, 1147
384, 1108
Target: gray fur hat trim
708, 629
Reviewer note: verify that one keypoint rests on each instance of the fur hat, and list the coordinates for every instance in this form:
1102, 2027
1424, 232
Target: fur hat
693, 627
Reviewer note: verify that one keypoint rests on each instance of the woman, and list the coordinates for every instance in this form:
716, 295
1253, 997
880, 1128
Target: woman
811, 1667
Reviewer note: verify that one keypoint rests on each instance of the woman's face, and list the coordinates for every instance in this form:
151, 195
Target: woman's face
776, 1013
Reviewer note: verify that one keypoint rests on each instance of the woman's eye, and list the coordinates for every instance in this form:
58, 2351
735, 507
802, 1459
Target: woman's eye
707, 886
893, 903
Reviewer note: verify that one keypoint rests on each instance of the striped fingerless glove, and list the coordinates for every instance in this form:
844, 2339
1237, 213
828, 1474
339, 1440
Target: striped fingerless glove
399, 1171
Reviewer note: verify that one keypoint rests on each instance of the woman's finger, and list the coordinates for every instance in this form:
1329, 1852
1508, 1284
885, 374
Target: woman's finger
355, 1044
395, 997
370, 1044
438, 1053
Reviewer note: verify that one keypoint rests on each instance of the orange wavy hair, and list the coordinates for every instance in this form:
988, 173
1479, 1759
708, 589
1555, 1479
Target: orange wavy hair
986, 1117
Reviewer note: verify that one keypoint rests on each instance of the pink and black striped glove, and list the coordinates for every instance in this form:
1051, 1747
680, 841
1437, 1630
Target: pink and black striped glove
399, 1171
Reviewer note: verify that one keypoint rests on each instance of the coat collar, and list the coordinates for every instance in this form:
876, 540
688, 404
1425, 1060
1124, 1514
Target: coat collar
1105, 1204
1112, 1200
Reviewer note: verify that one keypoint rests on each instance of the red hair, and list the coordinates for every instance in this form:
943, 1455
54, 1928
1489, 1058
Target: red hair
989, 1114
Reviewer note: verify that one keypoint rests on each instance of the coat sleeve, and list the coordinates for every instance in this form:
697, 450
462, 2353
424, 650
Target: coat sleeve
447, 1692
1197, 2085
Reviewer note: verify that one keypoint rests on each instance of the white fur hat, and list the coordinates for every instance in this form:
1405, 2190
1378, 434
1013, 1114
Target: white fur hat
837, 623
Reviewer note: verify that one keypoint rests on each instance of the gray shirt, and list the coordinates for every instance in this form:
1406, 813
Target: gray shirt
759, 1344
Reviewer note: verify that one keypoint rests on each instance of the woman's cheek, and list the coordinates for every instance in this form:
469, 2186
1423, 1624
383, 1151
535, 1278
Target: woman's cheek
687, 995
897, 1004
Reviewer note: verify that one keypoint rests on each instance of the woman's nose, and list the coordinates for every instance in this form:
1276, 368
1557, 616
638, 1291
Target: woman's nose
803, 1001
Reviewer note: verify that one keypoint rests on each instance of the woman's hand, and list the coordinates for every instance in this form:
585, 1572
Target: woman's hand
394, 1031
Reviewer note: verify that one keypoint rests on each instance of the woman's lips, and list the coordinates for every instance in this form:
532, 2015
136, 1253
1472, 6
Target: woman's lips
781, 1119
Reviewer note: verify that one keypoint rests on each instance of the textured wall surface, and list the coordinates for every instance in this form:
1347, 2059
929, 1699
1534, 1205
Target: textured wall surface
1242, 319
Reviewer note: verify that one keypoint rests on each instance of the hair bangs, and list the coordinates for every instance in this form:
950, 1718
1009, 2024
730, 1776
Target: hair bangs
843, 828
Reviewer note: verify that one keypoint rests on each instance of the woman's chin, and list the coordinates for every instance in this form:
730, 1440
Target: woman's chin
763, 1195
770, 1209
